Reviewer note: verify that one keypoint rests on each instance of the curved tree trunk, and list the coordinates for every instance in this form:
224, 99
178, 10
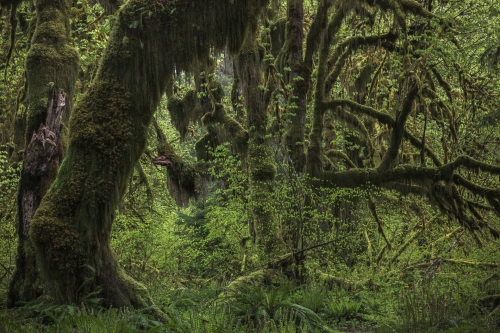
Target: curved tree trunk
108, 129
51, 68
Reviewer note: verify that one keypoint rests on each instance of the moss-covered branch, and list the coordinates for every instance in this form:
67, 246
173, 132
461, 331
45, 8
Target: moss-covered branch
383, 117
316, 31
341, 155
358, 125
470, 164
405, 246
182, 178
418, 144
399, 128
233, 128
349, 46
314, 151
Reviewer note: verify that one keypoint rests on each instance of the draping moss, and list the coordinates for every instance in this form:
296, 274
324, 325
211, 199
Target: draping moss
183, 111
108, 129
315, 158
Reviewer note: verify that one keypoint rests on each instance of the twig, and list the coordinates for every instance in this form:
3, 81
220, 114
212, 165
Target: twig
6, 269
440, 259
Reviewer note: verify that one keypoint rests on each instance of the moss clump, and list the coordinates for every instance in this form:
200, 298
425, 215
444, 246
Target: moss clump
183, 111
207, 144
232, 128
262, 167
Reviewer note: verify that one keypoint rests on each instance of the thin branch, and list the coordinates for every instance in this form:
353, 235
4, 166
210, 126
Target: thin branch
341, 155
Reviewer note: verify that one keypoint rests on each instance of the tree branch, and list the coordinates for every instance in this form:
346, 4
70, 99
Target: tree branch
399, 128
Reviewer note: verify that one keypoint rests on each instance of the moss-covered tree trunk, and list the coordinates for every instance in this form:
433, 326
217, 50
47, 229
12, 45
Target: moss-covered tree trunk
51, 68
299, 77
260, 159
108, 129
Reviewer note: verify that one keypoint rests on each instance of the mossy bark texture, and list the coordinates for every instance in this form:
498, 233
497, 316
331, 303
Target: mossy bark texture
108, 129
51, 67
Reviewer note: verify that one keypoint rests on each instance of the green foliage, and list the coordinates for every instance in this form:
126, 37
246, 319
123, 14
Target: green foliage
70, 318
9, 177
256, 305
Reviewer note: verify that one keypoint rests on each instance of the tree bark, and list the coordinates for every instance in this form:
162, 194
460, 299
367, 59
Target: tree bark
260, 160
41, 162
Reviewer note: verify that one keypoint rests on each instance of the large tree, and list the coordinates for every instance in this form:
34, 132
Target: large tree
108, 128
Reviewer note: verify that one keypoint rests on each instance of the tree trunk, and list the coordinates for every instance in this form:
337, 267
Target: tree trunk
108, 130
41, 162
299, 77
51, 67
260, 160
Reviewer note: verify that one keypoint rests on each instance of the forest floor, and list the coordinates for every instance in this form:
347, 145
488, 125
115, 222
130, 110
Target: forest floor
280, 307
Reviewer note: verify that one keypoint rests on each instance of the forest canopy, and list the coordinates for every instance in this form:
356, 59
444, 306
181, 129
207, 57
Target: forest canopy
155, 146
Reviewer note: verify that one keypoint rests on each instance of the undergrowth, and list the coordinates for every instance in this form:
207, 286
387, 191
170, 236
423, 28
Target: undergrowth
440, 304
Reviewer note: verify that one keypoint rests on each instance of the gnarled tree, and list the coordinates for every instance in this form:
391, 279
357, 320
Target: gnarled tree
71, 229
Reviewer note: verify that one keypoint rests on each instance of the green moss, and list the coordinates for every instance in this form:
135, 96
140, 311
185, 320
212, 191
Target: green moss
51, 63
261, 162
